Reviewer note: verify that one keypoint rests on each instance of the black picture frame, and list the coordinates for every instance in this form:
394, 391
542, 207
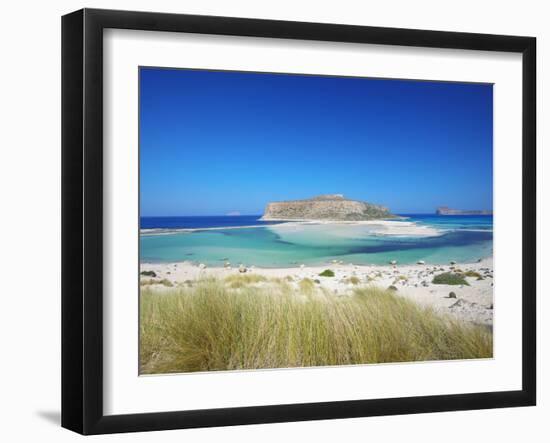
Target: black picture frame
82, 218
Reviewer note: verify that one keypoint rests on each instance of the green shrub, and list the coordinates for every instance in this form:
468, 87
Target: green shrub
327, 273
450, 278
148, 273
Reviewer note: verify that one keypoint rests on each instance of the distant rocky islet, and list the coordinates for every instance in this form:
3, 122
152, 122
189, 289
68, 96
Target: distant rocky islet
330, 207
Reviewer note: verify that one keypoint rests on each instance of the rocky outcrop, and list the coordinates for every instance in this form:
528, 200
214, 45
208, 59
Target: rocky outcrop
325, 207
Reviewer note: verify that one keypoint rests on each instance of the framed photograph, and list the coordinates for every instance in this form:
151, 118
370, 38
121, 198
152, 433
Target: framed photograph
268, 221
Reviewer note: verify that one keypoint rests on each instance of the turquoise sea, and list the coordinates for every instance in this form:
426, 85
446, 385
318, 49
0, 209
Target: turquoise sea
204, 240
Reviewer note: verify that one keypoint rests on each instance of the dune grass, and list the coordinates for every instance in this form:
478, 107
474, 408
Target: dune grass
306, 286
240, 280
212, 326
353, 280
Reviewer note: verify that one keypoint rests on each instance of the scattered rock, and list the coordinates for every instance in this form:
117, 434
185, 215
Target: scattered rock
451, 295
420, 262
242, 268
393, 262
462, 303
392, 288
202, 266
452, 262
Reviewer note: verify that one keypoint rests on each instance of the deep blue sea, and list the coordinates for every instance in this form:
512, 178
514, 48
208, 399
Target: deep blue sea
247, 240
214, 221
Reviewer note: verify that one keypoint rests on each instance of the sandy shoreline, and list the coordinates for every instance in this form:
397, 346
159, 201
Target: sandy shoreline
379, 227
472, 303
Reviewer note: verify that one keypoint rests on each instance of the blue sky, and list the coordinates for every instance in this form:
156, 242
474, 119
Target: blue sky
217, 142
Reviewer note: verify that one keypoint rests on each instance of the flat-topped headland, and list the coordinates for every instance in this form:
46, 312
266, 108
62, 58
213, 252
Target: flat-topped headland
330, 207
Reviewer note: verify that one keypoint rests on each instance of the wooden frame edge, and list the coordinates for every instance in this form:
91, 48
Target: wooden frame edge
82, 359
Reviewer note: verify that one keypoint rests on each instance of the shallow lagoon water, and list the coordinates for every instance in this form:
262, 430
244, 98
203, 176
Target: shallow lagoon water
459, 238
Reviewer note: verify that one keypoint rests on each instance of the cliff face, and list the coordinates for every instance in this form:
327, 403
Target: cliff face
325, 207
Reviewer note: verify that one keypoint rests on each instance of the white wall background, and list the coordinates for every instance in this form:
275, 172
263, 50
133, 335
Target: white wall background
30, 218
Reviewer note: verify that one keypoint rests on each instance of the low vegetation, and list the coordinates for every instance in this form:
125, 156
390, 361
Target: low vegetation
240, 280
214, 325
163, 282
472, 274
327, 273
450, 278
306, 286
353, 280
148, 273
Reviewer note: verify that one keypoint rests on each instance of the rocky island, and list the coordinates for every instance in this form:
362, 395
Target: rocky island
334, 207
444, 210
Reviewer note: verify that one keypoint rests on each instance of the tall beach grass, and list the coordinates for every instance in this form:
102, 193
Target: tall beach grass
253, 323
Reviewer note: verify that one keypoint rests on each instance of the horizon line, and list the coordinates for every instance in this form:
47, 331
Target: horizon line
251, 215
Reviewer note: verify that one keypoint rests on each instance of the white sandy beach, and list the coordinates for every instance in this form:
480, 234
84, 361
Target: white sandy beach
376, 227
470, 303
